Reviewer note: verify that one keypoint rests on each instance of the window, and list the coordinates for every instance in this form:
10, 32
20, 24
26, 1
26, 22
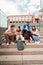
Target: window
11, 19
27, 18
16, 18
22, 18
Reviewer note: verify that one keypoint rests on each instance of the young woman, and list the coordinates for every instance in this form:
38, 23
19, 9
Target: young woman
35, 35
19, 34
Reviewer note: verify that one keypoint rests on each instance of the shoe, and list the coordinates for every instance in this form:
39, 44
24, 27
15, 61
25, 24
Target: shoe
26, 42
23, 41
0, 44
37, 42
12, 43
29, 41
7, 44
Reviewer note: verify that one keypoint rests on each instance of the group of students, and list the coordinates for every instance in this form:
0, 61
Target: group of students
26, 32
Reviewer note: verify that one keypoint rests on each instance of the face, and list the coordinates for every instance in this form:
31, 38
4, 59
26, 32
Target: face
12, 28
27, 23
34, 28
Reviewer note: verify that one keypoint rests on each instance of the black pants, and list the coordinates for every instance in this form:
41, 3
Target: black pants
27, 34
23, 32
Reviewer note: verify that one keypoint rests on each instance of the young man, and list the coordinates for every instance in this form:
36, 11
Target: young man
10, 34
27, 31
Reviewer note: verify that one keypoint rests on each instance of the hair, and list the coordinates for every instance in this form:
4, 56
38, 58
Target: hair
18, 26
12, 26
34, 27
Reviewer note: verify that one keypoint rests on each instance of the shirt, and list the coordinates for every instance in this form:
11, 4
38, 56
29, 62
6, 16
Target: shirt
25, 27
9, 32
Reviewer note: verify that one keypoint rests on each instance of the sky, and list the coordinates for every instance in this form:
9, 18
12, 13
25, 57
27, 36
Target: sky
16, 7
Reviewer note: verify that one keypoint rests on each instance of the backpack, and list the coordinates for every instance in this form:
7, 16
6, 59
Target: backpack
20, 45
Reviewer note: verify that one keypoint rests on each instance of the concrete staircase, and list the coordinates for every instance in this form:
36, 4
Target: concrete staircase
31, 55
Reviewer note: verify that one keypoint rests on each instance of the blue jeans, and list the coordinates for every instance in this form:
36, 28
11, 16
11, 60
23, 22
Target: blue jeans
35, 37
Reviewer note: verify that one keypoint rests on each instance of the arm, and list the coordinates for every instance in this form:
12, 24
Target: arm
36, 33
6, 32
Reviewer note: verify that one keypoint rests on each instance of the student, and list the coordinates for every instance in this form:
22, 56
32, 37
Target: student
10, 34
19, 34
26, 31
35, 35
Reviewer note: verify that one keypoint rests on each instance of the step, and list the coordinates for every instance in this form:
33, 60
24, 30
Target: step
28, 45
41, 37
41, 29
41, 33
21, 59
32, 45
41, 40
19, 64
26, 51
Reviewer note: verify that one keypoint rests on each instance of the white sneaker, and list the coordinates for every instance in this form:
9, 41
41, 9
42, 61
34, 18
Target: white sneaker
37, 42
7, 44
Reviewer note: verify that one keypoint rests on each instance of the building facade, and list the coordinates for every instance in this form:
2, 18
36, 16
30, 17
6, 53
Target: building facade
20, 19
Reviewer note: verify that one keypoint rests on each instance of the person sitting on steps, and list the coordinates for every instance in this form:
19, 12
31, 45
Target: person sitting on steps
27, 31
19, 34
35, 34
10, 34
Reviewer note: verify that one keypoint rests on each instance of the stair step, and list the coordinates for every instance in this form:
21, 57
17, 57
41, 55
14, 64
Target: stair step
21, 59
28, 45
12, 63
41, 33
26, 51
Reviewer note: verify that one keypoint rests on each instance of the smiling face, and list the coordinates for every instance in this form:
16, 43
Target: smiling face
12, 27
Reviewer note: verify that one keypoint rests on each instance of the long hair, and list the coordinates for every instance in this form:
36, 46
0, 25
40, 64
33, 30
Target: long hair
34, 28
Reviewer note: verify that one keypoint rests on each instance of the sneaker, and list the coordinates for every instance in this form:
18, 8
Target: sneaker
0, 44
23, 41
37, 42
26, 42
29, 41
7, 44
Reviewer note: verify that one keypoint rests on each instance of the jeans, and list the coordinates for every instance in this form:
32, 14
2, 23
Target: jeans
36, 38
